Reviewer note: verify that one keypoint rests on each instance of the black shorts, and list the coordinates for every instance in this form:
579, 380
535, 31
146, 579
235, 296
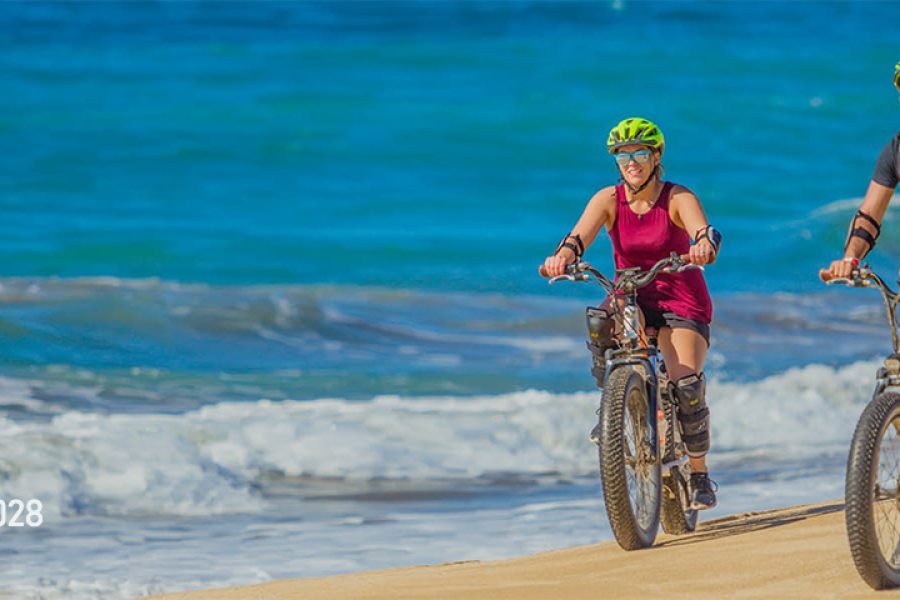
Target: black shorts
657, 319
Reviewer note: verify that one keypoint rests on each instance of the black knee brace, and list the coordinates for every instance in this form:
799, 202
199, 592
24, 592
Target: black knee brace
601, 325
690, 393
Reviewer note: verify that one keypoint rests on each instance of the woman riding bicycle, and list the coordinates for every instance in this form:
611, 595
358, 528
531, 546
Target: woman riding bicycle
866, 224
647, 219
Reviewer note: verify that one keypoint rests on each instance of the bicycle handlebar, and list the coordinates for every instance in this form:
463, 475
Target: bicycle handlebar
628, 277
826, 276
863, 276
859, 277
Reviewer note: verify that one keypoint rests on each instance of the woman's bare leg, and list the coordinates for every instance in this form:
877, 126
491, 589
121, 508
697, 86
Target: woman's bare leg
684, 352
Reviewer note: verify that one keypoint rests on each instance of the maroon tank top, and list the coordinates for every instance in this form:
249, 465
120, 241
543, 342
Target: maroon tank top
641, 240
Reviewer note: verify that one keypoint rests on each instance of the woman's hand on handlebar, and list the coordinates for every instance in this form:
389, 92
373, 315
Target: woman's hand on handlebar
839, 269
701, 253
556, 265
686, 262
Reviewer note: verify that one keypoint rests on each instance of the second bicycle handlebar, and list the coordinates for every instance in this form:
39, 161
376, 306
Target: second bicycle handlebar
859, 277
863, 276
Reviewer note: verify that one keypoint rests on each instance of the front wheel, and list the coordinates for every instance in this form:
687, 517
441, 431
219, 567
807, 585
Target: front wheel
871, 495
629, 466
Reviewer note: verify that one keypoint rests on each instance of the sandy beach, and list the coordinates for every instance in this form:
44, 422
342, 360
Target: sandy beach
796, 552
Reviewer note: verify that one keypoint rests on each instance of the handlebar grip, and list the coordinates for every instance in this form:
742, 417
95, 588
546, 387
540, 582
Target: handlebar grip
851, 280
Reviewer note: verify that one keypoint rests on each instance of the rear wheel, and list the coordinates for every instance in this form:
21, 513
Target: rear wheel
677, 516
872, 499
629, 467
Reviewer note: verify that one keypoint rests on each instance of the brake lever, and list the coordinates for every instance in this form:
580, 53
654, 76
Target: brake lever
684, 267
843, 280
566, 277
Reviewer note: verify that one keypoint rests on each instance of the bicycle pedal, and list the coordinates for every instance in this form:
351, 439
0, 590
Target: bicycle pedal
698, 506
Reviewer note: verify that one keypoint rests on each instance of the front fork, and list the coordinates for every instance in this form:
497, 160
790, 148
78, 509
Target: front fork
888, 376
649, 366
648, 369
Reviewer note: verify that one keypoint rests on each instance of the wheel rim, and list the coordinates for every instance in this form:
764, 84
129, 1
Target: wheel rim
640, 463
885, 499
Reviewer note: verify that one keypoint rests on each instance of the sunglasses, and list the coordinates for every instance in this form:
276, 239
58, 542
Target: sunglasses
639, 156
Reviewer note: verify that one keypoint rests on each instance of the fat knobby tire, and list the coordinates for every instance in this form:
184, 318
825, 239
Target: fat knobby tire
619, 385
675, 492
862, 468
674, 519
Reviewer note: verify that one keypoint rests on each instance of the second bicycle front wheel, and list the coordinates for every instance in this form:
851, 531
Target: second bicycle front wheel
629, 467
872, 501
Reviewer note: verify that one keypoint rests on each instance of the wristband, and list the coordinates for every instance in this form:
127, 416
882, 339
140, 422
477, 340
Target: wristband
577, 250
710, 234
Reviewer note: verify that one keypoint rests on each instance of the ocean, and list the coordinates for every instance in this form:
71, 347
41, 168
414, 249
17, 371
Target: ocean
268, 297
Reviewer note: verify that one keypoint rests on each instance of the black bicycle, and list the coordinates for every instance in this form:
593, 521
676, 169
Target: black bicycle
644, 466
872, 500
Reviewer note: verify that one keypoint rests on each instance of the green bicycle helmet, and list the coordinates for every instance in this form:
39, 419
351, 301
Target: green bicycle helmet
635, 130
897, 76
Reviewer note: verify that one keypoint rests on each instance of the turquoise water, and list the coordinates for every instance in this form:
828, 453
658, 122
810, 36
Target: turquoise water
418, 144
269, 269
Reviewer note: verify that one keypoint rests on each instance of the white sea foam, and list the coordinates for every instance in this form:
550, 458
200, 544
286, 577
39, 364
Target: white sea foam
208, 461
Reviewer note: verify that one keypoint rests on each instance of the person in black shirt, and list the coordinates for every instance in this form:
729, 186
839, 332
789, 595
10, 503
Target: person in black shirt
866, 224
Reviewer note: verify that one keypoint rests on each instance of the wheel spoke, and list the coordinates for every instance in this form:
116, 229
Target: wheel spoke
885, 515
641, 485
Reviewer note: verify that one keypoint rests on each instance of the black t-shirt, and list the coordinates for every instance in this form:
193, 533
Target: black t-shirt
887, 168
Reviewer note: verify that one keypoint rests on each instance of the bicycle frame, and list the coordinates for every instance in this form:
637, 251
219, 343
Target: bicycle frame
635, 349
